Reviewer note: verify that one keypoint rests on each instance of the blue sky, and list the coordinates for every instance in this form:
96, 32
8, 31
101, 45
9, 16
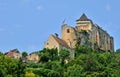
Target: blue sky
26, 24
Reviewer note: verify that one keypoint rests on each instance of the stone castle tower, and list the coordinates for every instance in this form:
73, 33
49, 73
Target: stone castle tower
87, 33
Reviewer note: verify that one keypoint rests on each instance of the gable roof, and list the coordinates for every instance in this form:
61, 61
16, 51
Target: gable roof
83, 18
14, 50
60, 41
10, 53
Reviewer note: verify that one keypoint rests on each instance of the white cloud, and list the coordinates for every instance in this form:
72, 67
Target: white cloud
108, 7
39, 8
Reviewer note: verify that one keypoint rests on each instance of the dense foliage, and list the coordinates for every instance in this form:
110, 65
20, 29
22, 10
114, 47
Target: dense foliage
87, 63
10, 67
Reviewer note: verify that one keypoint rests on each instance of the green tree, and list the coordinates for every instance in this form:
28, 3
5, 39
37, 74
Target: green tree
10, 67
54, 54
64, 55
87, 63
1, 54
24, 54
82, 49
29, 74
55, 66
45, 57
31, 64
48, 55
75, 71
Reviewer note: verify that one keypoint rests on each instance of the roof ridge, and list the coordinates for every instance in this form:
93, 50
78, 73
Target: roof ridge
83, 18
60, 41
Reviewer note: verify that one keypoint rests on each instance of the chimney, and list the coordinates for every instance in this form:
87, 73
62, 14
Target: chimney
56, 34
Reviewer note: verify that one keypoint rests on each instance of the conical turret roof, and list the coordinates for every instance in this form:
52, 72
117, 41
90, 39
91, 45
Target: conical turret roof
83, 18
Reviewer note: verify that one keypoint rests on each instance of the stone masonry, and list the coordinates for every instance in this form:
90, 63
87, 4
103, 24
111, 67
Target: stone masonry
87, 33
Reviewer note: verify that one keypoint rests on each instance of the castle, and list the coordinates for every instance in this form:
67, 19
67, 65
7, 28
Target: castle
84, 33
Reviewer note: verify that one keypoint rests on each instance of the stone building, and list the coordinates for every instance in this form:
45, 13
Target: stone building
33, 57
84, 33
13, 54
55, 42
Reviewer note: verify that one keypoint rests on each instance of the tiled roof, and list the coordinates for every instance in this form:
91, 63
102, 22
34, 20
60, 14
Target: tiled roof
14, 50
60, 41
10, 54
83, 18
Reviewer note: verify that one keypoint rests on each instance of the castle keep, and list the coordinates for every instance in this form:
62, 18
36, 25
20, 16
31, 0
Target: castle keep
84, 33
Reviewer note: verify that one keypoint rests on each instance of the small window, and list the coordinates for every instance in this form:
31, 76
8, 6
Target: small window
68, 30
47, 43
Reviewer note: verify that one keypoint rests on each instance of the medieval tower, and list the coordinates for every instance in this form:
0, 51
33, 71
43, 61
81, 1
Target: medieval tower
84, 33
87, 33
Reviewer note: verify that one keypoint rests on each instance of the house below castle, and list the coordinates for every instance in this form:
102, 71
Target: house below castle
34, 57
13, 54
84, 33
55, 42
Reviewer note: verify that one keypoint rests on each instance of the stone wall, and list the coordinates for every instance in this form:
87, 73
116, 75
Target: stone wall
69, 35
98, 37
51, 43
84, 33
